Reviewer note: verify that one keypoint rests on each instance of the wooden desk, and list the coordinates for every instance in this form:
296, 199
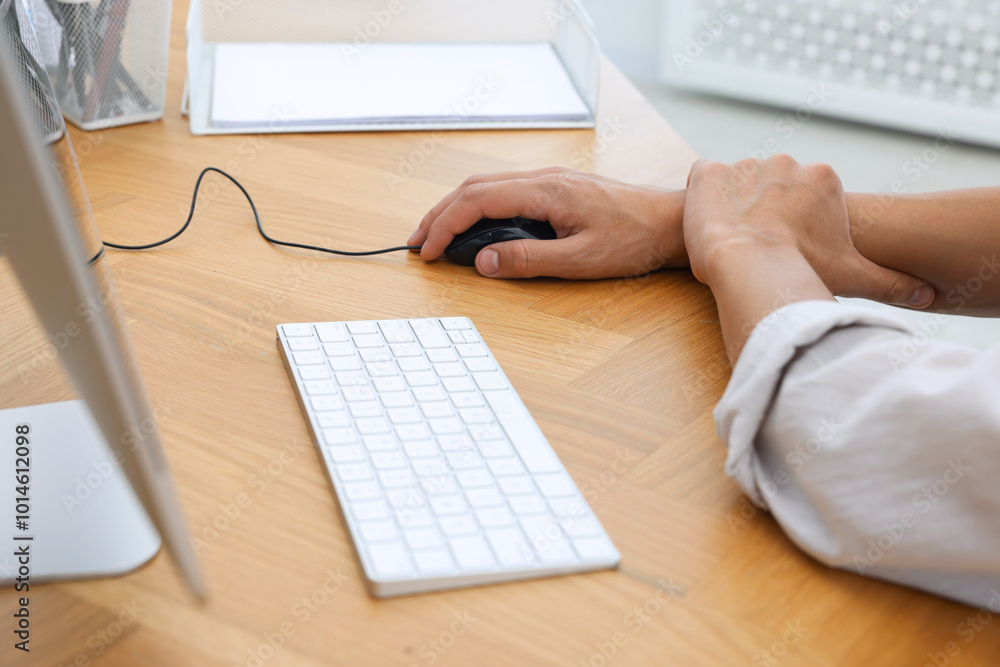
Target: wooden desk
620, 374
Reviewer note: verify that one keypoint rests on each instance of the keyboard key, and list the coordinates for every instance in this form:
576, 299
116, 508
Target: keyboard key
450, 370
332, 332
295, 330
412, 432
298, 344
351, 379
405, 350
405, 416
361, 490
492, 517
346, 454
484, 497
455, 323
429, 333
472, 553
421, 379
515, 486
396, 478
362, 327
446, 426
396, 331
585, 526
345, 364
482, 364
535, 452
370, 510
339, 436
388, 460
333, 419
505, 466
339, 349
414, 517
467, 350
411, 364
511, 547
385, 385
319, 387
308, 358
324, 403
450, 504
467, 400
314, 372
390, 559
441, 355
433, 562
375, 355
489, 381
475, 478
462, 524
427, 394
378, 531
394, 399
359, 393
524, 505
372, 340
379, 442
456, 385
495, 449
426, 538
416, 449
437, 409
361, 409
429, 467
381, 369
377, 425
354, 472
464, 460
476, 415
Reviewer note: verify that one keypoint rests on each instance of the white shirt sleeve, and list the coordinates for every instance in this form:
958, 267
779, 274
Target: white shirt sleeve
874, 446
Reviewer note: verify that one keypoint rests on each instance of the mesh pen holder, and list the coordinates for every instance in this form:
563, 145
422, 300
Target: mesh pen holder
107, 58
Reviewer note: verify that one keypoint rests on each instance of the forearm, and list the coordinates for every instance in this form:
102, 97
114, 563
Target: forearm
950, 239
750, 283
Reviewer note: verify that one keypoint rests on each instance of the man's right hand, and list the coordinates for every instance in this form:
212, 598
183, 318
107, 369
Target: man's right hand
604, 228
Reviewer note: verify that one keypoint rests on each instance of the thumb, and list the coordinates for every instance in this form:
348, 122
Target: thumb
529, 258
893, 287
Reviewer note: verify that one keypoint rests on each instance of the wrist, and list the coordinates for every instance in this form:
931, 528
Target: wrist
743, 256
668, 212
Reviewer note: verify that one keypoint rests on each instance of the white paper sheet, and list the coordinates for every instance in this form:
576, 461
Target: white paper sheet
308, 84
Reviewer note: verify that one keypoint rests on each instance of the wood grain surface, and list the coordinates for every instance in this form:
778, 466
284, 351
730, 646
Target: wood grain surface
621, 375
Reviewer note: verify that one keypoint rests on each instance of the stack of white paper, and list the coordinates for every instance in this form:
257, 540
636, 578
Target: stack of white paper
325, 84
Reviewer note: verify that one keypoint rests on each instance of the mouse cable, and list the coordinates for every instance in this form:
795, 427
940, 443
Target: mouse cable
260, 228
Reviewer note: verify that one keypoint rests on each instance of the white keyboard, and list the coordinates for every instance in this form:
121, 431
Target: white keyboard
443, 477
929, 66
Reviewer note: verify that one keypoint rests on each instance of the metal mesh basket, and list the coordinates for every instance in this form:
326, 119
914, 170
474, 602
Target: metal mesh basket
26, 51
107, 58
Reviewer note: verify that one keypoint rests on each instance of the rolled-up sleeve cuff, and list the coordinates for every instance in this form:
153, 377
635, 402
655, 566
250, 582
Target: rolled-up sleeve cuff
774, 343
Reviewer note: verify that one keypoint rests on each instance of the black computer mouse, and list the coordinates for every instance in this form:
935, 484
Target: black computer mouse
466, 245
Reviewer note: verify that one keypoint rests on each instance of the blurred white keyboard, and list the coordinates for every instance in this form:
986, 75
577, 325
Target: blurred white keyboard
443, 477
927, 66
